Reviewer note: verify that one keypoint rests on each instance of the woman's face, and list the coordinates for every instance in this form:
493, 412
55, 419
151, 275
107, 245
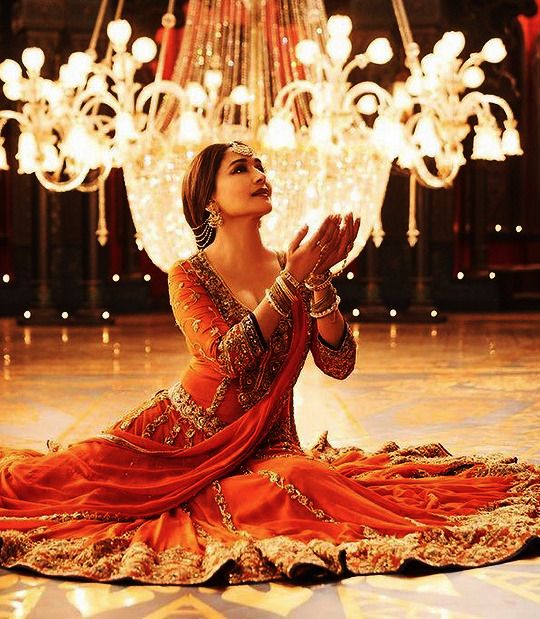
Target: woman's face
242, 188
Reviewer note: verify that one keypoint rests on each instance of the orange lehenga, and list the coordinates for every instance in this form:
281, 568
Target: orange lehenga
207, 479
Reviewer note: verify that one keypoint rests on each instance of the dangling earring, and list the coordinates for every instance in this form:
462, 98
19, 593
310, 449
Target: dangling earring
215, 220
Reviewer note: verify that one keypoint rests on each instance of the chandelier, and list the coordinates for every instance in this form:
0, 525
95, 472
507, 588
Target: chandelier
274, 74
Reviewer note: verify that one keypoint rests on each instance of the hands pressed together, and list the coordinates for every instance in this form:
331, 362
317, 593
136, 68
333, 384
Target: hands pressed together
330, 244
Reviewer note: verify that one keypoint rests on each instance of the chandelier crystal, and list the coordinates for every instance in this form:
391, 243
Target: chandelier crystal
274, 74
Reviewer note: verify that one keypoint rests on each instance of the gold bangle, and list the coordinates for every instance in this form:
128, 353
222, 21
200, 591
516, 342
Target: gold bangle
290, 278
318, 281
328, 311
273, 304
284, 288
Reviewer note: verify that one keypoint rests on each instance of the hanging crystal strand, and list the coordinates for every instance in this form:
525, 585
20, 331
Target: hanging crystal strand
413, 232
102, 233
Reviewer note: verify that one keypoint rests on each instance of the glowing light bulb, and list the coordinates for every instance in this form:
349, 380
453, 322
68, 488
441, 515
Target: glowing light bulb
434, 313
460, 275
97, 84
33, 59
27, 314
307, 51
379, 51
473, 77
368, 104
492, 275
144, 49
498, 227
196, 94
356, 312
80, 62
189, 128
119, 32
494, 50
280, 134
147, 277
65, 315
116, 277
240, 95
519, 228
511, 144
339, 49
487, 143
393, 313
350, 275
450, 45
13, 90
10, 71
213, 78
105, 315
6, 278
339, 26
425, 135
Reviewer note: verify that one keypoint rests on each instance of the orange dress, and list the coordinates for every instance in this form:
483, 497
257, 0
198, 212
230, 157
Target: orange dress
207, 479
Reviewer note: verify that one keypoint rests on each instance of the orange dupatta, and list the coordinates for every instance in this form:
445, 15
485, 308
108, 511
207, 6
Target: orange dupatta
130, 476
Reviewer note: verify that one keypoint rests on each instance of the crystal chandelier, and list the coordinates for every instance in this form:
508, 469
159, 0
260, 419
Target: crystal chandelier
274, 74
436, 111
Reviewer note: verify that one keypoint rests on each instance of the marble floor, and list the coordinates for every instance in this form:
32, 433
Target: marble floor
471, 383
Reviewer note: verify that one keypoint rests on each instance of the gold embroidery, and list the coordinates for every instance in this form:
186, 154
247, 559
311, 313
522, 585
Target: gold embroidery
200, 419
226, 516
336, 363
112, 438
157, 421
296, 495
128, 419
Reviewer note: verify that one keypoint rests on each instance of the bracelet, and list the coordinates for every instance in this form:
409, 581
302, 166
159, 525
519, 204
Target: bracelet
318, 281
274, 304
326, 305
290, 278
284, 288
328, 311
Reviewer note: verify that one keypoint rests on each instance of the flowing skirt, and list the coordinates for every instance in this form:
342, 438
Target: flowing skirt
320, 512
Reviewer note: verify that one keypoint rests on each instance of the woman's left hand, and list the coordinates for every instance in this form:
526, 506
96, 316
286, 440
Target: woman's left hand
339, 242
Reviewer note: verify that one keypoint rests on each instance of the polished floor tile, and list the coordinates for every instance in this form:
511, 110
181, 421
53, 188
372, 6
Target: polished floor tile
472, 383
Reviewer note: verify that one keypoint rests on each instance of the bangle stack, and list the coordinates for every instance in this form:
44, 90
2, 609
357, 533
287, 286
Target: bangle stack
318, 281
327, 304
281, 294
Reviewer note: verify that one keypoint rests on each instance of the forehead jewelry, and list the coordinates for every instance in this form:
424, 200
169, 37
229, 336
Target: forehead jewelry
241, 149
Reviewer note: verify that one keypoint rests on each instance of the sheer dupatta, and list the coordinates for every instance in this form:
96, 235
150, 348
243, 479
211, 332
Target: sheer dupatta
130, 476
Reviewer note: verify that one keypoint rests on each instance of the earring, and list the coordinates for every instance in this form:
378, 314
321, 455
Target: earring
215, 220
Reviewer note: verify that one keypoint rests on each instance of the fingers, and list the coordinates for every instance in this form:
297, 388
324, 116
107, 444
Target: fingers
298, 238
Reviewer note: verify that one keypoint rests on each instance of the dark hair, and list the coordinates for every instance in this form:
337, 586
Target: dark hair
199, 185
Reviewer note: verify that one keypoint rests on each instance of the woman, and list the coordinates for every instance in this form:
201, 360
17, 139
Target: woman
207, 479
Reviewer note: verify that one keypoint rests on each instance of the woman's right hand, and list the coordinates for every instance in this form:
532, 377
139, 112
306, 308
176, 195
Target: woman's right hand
302, 258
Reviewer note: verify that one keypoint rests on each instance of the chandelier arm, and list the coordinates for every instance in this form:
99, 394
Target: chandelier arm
430, 180
367, 88
105, 98
300, 86
166, 87
61, 186
6, 115
475, 59
360, 61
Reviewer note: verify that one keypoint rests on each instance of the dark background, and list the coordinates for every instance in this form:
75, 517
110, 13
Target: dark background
47, 240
